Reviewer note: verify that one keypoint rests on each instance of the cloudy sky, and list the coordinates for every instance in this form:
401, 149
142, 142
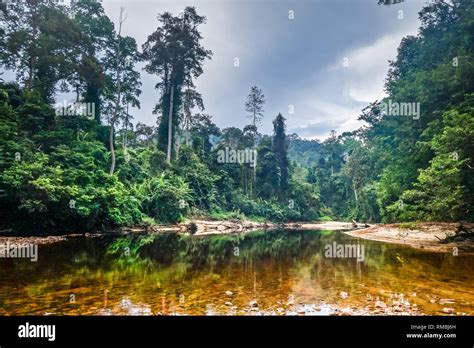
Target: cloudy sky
298, 62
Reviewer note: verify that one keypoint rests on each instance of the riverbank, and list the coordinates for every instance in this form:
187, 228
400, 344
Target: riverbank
432, 236
192, 227
204, 227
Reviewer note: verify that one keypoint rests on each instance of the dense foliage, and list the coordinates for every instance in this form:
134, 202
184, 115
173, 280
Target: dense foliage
69, 171
403, 167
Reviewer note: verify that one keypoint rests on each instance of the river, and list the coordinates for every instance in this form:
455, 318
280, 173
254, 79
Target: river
273, 272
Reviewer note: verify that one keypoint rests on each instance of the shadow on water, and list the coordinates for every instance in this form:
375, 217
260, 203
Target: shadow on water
177, 274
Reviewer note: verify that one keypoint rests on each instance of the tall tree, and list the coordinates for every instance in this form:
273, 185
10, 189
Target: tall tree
280, 149
99, 30
122, 82
254, 106
175, 54
268, 173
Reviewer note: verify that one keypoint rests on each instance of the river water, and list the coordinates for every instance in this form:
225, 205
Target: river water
273, 272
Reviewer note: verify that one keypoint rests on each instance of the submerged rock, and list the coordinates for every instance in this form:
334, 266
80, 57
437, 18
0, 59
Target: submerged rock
444, 301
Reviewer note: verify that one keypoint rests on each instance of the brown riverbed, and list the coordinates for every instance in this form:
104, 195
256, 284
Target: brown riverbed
274, 273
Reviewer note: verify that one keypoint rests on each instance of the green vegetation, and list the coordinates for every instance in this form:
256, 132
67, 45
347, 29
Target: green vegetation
75, 172
402, 167
215, 250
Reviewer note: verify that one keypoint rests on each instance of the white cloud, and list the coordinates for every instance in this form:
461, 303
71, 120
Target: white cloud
339, 93
368, 67
327, 116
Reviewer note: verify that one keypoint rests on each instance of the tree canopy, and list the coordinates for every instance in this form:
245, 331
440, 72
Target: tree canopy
71, 171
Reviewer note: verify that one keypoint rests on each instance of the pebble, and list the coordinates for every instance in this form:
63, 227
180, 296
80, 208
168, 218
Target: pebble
253, 303
448, 310
444, 301
344, 295
229, 293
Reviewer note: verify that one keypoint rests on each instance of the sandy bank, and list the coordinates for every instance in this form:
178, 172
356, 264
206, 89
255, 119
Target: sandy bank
195, 227
429, 236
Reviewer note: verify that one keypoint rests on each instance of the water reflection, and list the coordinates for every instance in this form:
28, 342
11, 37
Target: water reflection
272, 272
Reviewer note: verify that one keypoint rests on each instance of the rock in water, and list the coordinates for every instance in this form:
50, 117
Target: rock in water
448, 310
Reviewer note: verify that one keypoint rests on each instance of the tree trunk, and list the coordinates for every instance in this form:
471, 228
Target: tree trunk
254, 178
170, 124
357, 199
112, 150
125, 137
32, 58
30, 75
117, 105
178, 146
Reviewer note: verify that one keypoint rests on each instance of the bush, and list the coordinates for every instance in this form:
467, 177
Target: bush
164, 198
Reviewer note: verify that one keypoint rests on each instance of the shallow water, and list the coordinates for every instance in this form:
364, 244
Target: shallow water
180, 275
